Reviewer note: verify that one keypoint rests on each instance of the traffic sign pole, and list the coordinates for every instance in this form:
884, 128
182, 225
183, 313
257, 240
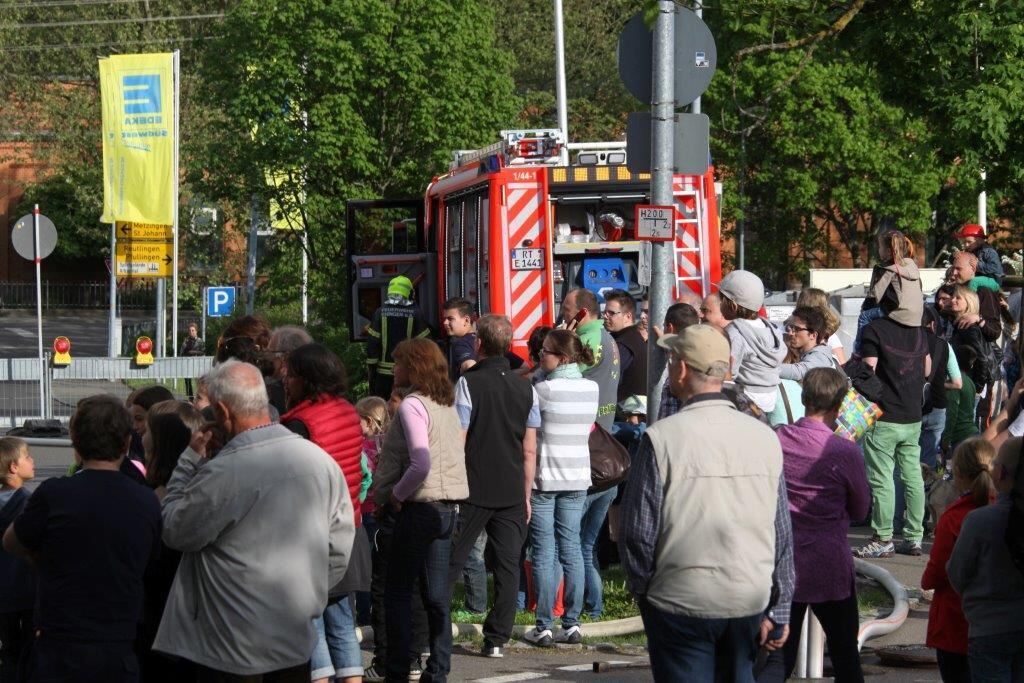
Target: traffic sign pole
202, 334
662, 122
39, 310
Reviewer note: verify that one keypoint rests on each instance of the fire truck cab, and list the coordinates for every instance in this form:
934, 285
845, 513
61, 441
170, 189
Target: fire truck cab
516, 225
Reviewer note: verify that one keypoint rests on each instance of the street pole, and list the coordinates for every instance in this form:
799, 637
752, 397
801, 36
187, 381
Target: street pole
983, 204
202, 335
112, 344
662, 125
305, 277
161, 318
250, 271
39, 311
560, 98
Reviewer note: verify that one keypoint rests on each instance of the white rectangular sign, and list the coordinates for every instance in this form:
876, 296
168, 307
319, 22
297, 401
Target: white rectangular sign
655, 223
527, 259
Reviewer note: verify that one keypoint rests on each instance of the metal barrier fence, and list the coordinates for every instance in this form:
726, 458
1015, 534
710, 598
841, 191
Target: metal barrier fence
63, 387
75, 295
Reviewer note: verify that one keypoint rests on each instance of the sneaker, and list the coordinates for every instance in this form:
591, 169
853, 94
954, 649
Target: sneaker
573, 636
492, 651
875, 549
374, 673
909, 548
539, 638
415, 669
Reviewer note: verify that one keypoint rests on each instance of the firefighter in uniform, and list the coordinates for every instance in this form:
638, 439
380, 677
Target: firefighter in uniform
397, 320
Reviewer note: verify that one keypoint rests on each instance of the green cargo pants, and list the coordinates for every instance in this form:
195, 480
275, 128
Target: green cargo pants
886, 445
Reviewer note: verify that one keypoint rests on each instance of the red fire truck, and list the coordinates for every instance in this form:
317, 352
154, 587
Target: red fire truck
516, 225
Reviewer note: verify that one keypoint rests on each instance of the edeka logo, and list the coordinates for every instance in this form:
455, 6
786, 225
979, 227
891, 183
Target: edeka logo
142, 105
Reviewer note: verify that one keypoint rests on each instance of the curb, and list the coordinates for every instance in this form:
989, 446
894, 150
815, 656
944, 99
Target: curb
622, 627
614, 627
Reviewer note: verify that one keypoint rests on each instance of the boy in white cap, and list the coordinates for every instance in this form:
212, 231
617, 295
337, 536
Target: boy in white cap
757, 345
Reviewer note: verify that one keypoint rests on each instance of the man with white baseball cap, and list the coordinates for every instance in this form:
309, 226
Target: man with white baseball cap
757, 345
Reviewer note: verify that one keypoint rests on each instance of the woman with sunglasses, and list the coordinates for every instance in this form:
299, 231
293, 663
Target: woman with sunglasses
568, 408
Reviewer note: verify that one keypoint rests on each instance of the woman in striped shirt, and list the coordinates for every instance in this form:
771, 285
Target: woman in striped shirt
568, 407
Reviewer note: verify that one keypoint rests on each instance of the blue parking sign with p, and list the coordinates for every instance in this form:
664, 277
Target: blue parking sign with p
220, 301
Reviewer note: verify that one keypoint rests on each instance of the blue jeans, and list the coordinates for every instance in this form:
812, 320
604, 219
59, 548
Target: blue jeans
595, 509
997, 659
865, 317
555, 530
693, 649
932, 425
474, 576
420, 548
337, 653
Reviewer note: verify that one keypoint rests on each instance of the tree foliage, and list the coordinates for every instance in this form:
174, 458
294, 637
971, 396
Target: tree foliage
847, 114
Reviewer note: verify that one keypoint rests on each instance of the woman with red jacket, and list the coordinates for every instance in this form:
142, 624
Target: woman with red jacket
947, 626
315, 385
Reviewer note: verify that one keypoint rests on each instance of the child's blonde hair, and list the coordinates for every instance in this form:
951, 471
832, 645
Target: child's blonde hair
374, 410
972, 460
11, 450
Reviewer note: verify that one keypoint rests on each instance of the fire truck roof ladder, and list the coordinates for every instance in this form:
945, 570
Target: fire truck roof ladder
518, 147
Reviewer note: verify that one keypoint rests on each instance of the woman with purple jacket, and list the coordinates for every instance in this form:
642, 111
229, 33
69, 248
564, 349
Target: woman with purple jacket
827, 487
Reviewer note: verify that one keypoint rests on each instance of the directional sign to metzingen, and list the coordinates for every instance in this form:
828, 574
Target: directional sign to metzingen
696, 57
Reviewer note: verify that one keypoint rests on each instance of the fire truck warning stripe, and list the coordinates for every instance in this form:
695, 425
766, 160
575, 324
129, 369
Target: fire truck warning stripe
528, 306
519, 285
526, 219
519, 200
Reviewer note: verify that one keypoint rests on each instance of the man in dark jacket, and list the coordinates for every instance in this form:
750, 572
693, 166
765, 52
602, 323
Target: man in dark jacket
500, 415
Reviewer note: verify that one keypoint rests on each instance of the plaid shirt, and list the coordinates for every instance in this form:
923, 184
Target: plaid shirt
640, 519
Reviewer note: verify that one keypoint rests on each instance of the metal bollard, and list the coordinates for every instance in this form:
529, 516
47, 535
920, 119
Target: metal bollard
810, 656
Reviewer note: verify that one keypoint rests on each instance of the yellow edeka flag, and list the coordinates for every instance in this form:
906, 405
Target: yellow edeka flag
137, 92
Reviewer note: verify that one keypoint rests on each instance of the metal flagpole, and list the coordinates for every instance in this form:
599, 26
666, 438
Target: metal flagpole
112, 347
174, 213
39, 312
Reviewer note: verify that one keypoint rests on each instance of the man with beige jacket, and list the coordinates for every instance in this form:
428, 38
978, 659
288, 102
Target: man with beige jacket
706, 540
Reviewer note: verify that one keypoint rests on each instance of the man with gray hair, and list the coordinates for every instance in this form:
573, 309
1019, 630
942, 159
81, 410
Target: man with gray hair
284, 340
499, 414
705, 534
265, 525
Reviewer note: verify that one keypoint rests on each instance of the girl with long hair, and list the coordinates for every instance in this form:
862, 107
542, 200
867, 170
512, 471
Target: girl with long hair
947, 625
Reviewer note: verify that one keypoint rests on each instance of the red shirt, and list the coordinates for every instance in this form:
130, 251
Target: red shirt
947, 626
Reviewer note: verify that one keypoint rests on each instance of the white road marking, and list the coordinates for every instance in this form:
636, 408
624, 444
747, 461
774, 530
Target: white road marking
24, 334
511, 678
588, 667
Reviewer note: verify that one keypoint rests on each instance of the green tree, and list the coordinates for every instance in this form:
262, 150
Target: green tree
597, 102
350, 99
49, 96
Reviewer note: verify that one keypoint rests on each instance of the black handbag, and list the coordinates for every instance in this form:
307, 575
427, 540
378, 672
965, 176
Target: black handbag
609, 460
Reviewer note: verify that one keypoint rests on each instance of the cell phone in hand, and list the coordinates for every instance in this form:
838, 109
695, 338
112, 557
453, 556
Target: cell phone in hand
580, 315
776, 632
